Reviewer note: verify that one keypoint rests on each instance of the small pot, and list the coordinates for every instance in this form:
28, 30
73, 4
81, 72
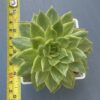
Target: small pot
78, 76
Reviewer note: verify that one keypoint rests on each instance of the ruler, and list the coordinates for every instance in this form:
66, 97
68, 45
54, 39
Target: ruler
13, 81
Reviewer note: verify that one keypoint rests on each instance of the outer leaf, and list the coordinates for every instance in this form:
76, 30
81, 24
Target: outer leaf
43, 20
51, 33
36, 64
24, 69
78, 54
68, 27
58, 27
37, 41
85, 45
45, 64
27, 55
52, 14
51, 84
73, 41
67, 17
41, 77
25, 29
56, 75
36, 30
22, 43
68, 59
81, 33
34, 18
62, 68
69, 80
77, 67
15, 60
34, 83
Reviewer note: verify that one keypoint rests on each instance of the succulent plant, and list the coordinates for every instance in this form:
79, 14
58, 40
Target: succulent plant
50, 50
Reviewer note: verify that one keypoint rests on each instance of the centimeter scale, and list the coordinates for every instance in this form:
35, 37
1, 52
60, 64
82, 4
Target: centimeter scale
13, 81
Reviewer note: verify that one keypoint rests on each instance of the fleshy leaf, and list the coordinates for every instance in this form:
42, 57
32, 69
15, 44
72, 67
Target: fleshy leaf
15, 60
62, 68
52, 14
81, 33
38, 88
68, 59
58, 27
56, 75
43, 20
51, 33
67, 17
24, 28
34, 18
27, 54
37, 41
53, 61
68, 27
22, 43
85, 45
77, 67
45, 64
36, 30
25, 68
69, 80
51, 84
63, 41
41, 77
73, 41
78, 54
63, 53
36, 64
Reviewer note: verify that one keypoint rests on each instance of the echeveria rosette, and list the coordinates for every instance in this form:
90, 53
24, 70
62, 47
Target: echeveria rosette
51, 49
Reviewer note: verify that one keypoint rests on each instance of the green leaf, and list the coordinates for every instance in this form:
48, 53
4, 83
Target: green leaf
68, 59
77, 67
36, 64
51, 84
34, 18
62, 68
81, 33
68, 27
85, 45
24, 28
45, 64
73, 41
52, 14
38, 88
15, 60
24, 69
37, 41
78, 54
62, 53
67, 17
85, 63
22, 43
69, 80
41, 77
53, 61
27, 54
36, 30
58, 27
43, 20
50, 33
56, 75
63, 41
